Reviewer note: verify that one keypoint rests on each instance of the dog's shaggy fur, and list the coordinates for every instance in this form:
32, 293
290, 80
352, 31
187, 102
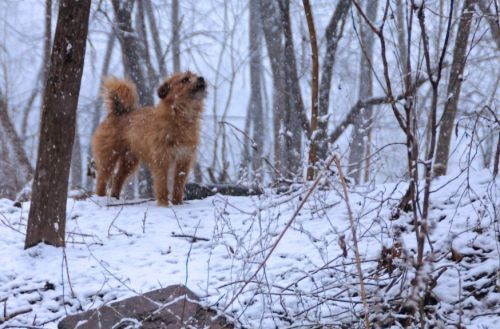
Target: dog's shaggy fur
164, 137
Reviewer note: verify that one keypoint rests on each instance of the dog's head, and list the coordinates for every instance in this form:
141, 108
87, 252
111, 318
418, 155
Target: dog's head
185, 87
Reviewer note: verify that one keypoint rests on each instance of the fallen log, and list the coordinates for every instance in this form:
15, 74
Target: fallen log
194, 191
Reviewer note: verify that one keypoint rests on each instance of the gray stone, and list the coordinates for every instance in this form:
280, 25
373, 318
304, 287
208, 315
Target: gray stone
168, 308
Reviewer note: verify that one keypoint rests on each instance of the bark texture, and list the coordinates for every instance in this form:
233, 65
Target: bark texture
314, 89
273, 36
176, 40
454, 88
156, 38
362, 121
255, 107
289, 117
493, 20
131, 49
47, 216
76, 161
15, 168
152, 76
96, 116
133, 65
333, 33
42, 76
295, 119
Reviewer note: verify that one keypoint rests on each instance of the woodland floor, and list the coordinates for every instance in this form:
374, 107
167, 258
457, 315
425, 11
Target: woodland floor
212, 245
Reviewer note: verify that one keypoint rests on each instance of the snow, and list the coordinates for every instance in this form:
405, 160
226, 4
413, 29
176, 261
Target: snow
116, 251
69, 47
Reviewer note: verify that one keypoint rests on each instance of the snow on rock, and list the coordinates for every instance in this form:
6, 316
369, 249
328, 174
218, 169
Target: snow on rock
116, 251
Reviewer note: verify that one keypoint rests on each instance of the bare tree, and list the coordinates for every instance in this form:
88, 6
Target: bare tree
362, 121
153, 77
47, 216
42, 76
153, 27
496, 160
15, 168
295, 119
133, 64
454, 87
492, 19
76, 161
96, 115
255, 108
273, 35
176, 40
333, 33
314, 89
131, 49
289, 117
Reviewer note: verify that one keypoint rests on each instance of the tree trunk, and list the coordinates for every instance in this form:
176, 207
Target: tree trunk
131, 49
493, 21
15, 168
496, 161
333, 33
255, 107
96, 116
156, 38
454, 87
47, 216
294, 122
363, 120
152, 76
244, 172
76, 161
176, 41
314, 89
42, 77
401, 28
131, 53
29, 104
489, 143
273, 36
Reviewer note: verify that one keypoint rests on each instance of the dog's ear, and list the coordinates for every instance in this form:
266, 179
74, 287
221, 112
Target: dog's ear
163, 90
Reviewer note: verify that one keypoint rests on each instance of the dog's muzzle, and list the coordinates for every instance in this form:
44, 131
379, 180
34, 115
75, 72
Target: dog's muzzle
200, 84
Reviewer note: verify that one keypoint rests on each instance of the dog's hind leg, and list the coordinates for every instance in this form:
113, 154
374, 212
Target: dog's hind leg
126, 167
104, 171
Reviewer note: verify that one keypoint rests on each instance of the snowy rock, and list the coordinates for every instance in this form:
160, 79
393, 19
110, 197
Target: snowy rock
171, 307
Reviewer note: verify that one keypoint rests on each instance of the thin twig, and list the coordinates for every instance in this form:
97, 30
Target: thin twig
113, 221
354, 240
192, 237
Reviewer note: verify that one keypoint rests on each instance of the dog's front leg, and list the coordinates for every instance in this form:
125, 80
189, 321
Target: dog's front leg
181, 174
160, 184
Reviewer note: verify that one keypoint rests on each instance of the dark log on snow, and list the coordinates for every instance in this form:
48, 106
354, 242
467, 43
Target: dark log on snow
192, 191
195, 191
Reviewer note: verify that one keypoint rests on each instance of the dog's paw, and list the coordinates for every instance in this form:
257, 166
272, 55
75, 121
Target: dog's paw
162, 203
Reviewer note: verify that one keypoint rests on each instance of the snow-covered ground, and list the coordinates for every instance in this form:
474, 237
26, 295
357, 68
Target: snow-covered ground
119, 251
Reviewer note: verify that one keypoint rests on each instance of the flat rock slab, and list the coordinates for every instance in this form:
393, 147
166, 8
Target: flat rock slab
168, 308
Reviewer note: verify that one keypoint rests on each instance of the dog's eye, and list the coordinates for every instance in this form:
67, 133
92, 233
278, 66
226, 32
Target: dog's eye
185, 80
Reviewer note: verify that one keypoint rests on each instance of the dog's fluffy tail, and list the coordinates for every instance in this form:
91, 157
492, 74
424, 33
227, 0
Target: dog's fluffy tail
120, 96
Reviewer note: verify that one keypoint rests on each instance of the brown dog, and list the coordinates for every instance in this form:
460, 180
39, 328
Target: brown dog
164, 137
